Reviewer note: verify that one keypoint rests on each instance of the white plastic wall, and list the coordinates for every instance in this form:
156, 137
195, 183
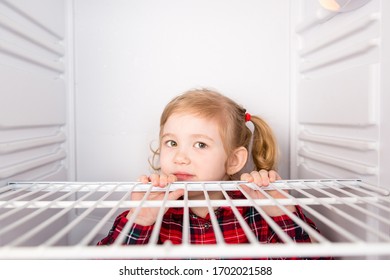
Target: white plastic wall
340, 120
33, 92
339, 117
84, 82
132, 57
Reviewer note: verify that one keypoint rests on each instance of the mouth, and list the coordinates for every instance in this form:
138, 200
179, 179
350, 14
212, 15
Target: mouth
184, 176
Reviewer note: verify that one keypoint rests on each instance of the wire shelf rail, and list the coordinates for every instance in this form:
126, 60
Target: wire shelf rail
76, 212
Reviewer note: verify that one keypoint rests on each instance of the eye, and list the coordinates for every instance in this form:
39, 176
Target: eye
171, 143
200, 145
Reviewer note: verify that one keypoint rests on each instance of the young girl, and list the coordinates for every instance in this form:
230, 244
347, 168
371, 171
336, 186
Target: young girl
204, 137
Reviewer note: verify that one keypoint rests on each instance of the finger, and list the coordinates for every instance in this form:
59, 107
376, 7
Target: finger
167, 179
163, 181
265, 180
273, 176
155, 179
257, 178
143, 179
246, 177
172, 178
278, 177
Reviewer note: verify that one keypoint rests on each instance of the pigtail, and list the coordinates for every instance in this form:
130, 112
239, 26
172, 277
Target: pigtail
264, 146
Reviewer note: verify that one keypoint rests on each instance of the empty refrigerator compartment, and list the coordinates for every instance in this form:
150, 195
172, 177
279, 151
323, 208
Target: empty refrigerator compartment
64, 220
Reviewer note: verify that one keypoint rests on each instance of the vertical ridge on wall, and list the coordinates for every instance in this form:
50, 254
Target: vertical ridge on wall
33, 90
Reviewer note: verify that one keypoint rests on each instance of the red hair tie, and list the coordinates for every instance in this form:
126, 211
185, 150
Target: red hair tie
247, 117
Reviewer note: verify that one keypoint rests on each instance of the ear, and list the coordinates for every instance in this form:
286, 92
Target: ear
236, 160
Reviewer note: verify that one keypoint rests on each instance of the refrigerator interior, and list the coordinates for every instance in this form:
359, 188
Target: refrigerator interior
83, 84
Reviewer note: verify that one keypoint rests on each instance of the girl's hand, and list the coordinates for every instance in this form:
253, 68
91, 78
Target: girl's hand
263, 178
148, 216
158, 180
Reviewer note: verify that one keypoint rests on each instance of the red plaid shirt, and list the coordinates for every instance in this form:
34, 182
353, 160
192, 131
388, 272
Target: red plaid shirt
201, 231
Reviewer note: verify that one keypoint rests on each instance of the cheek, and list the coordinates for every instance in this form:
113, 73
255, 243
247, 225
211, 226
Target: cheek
163, 157
216, 165
215, 172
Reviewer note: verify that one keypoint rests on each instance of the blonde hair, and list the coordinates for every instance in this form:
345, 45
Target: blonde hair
230, 118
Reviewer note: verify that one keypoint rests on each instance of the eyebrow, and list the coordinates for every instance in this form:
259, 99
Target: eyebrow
192, 135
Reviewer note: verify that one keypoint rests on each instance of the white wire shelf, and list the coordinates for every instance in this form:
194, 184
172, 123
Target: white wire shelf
63, 220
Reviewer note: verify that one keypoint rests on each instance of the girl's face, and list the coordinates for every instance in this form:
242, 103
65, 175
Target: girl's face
192, 149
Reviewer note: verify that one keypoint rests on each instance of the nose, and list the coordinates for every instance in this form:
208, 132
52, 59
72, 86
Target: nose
181, 157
